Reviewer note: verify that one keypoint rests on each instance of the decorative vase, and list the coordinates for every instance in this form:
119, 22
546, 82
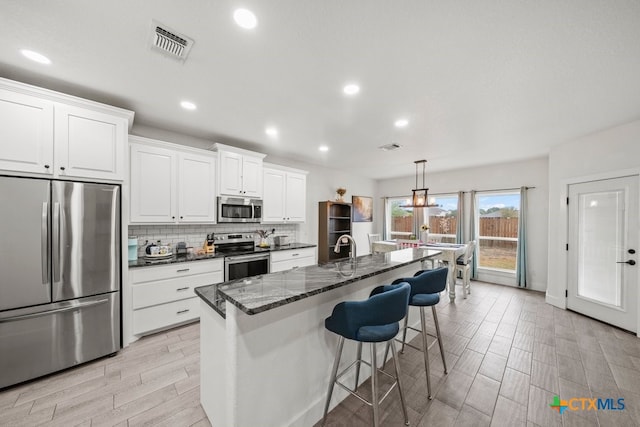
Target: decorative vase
341, 192
264, 243
424, 236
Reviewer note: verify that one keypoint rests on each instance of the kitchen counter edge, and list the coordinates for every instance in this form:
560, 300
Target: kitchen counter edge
142, 262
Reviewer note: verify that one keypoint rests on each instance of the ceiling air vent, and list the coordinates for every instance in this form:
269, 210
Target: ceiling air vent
169, 42
389, 147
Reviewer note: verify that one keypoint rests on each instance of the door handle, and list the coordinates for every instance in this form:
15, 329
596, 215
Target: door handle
56, 242
630, 262
44, 243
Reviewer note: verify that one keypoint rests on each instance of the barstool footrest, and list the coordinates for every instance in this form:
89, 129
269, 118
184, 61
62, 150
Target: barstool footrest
354, 392
419, 348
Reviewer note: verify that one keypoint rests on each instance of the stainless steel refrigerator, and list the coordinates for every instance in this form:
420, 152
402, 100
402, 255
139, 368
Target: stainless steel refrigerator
60, 275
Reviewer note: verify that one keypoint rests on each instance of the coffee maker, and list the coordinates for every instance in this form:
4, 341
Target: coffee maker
209, 246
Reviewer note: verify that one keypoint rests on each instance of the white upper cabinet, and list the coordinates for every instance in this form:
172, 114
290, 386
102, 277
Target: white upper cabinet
153, 184
170, 184
56, 135
26, 133
89, 144
239, 171
196, 188
296, 197
284, 195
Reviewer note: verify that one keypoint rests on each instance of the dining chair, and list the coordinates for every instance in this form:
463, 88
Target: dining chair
373, 237
463, 266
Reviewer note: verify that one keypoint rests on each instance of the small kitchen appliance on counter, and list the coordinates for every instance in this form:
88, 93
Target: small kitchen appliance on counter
281, 240
133, 248
181, 249
209, 244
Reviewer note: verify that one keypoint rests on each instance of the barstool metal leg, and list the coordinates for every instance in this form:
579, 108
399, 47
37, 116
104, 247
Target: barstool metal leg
439, 335
425, 349
359, 362
374, 386
386, 353
334, 373
404, 331
396, 364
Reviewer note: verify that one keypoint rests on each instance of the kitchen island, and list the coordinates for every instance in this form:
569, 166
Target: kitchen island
265, 354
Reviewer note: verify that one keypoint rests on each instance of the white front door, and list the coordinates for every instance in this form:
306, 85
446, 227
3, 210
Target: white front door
603, 245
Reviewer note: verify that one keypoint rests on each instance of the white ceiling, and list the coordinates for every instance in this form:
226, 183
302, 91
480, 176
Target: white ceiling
481, 82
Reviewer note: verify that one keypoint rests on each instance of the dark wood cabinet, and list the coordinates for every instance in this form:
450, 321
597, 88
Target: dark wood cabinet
334, 220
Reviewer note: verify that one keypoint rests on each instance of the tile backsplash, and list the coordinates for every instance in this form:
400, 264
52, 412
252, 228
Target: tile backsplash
194, 235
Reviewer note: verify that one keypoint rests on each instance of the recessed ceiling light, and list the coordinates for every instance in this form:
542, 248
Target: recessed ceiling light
351, 89
400, 123
245, 18
35, 56
271, 131
187, 105
323, 148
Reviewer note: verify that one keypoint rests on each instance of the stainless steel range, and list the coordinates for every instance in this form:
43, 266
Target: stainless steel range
241, 257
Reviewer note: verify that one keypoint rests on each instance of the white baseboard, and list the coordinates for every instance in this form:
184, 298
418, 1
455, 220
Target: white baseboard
560, 302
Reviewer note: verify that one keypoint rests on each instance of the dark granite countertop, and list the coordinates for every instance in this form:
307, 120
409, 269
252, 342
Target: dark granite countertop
285, 247
261, 293
143, 262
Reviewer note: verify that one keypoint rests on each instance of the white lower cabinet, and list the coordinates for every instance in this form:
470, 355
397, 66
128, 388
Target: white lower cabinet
164, 296
293, 258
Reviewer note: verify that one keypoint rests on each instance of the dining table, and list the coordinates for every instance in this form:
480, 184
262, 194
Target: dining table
382, 246
449, 253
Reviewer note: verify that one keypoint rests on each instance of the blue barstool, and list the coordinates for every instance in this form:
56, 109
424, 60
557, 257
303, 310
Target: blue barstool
373, 320
426, 286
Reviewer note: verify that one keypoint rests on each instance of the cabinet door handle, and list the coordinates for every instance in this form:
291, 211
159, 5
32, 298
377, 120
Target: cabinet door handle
62, 168
295, 254
46, 166
182, 289
182, 311
182, 270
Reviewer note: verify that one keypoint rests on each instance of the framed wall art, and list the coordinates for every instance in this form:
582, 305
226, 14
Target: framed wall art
362, 208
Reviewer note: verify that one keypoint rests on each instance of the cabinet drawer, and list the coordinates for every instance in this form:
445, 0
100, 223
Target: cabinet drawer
277, 256
180, 269
161, 316
292, 263
154, 293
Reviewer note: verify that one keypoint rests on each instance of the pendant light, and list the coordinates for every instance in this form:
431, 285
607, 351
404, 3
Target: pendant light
420, 197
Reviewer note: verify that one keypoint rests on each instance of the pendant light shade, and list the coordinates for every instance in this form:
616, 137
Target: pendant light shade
420, 197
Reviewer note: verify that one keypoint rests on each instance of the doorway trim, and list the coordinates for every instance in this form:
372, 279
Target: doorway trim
563, 228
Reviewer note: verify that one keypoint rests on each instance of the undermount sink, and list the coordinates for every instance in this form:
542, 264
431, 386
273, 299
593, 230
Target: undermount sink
347, 267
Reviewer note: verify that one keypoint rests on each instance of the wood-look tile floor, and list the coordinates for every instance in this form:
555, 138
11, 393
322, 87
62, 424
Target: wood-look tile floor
507, 351
153, 382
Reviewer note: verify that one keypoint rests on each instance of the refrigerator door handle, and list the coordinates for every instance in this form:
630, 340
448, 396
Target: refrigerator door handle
56, 242
55, 310
44, 243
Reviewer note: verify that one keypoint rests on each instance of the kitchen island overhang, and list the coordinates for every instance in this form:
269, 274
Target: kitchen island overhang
265, 354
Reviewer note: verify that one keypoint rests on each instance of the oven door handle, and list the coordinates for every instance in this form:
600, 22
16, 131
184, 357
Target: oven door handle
245, 258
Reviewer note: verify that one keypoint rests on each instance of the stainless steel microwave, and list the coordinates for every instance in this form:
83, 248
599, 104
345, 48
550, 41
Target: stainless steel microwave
239, 209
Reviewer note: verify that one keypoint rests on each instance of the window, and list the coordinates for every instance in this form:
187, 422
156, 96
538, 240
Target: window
497, 215
443, 218
399, 220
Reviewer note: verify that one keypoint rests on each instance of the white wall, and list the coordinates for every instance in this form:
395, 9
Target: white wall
532, 173
603, 153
